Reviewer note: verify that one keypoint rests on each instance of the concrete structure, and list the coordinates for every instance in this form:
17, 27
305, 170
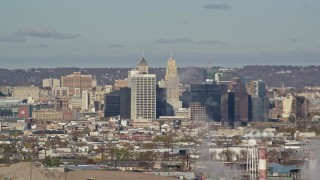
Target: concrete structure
120, 84
51, 82
182, 112
86, 98
77, 82
75, 103
287, 104
24, 92
48, 115
60, 91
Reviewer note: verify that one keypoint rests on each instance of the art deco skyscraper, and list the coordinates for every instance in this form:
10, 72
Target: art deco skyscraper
172, 83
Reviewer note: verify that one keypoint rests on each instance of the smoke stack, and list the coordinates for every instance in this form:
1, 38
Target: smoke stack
312, 160
262, 163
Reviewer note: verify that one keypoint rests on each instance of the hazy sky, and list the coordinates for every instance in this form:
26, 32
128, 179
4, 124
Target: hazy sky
105, 33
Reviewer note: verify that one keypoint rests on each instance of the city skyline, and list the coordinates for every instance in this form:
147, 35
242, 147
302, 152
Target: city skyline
112, 34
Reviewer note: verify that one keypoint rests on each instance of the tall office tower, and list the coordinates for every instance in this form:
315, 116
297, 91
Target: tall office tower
143, 93
232, 110
172, 83
241, 99
259, 101
163, 108
50, 83
209, 94
260, 109
300, 108
112, 104
77, 82
125, 103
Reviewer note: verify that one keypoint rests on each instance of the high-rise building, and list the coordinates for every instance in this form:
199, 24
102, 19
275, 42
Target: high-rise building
143, 93
260, 109
163, 107
232, 109
209, 94
125, 103
172, 83
77, 82
86, 98
112, 104
259, 101
241, 99
300, 108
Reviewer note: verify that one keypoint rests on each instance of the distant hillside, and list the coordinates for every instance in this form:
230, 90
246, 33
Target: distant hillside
291, 76
27, 77
295, 76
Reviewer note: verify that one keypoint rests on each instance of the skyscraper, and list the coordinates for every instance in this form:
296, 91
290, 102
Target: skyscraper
241, 99
259, 101
143, 93
112, 104
125, 103
172, 83
209, 95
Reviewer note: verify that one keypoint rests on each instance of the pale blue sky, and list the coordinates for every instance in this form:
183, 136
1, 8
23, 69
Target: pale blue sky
105, 33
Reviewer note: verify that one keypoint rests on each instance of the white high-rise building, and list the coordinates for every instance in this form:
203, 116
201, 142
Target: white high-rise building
172, 83
143, 93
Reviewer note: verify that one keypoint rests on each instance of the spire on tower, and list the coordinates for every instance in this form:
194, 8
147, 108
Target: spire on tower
142, 51
171, 52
